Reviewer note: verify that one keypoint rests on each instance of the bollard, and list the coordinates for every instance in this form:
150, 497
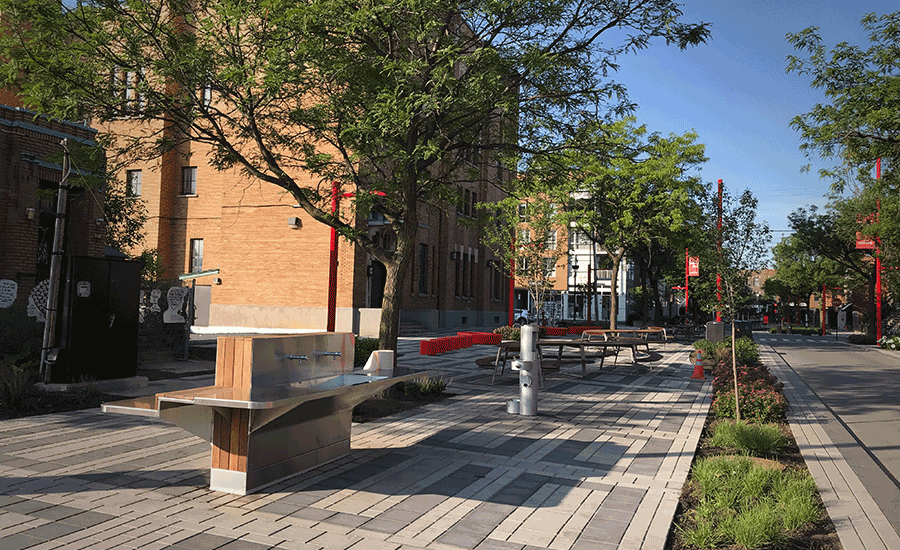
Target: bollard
529, 372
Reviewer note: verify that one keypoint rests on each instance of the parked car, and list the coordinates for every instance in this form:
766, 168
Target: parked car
523, 317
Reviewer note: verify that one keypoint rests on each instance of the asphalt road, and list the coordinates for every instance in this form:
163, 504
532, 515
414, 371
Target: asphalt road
861, 387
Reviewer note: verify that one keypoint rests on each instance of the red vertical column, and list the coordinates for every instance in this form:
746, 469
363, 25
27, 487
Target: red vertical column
332, 263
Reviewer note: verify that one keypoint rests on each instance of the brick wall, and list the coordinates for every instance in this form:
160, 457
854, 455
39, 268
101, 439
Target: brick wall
30, 153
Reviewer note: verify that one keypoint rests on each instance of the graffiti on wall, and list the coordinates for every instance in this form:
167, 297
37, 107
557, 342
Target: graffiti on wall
37, 301
9, 289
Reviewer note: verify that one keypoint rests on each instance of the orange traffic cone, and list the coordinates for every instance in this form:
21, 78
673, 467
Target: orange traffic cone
698, 366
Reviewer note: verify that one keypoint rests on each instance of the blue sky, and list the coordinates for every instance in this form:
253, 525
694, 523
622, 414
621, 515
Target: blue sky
734, 92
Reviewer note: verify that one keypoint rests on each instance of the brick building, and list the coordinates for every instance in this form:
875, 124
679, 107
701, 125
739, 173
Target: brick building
273, 258
30, 154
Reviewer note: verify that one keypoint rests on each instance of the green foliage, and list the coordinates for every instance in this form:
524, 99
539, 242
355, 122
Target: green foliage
16, 374
412, 98
363, 349
744, 504
153, 274
535, 246
754, 439
424, 387
509, 333
631, 187
890, 342
759, 404
747, 351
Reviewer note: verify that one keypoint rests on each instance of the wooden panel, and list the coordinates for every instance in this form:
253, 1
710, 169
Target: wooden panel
238, 442
228, 364
220, 358
246, 375
221, 441
237, 363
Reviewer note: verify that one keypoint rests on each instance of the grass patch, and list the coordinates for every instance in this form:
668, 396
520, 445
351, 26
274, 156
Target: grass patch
745, 504
755, 439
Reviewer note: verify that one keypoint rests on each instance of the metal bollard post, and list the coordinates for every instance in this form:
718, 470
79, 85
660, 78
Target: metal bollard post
530, 371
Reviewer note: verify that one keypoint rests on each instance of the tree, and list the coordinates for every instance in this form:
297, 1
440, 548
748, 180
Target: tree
801, 272
859, 124
832, 235
384, 97
631, 188
733, 251
534, 246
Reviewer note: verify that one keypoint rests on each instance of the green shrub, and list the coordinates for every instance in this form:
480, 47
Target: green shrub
890, 342
509, 333
747, 351
708, 349
756, 375
759, 403
862, 339
754, 439
423, 387
16, 373
363, 349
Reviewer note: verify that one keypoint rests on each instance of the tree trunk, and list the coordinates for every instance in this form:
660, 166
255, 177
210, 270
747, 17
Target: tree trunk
389, 328
614, 289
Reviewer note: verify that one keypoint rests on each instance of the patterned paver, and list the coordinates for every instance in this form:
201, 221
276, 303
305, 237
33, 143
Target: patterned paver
602, 466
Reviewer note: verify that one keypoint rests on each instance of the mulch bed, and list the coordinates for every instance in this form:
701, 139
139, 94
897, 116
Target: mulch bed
820, 535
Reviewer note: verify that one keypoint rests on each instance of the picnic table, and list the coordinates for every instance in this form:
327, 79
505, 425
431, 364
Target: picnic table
506, 348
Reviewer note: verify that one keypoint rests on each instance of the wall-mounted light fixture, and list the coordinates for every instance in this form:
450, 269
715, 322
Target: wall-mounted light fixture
295, 222
217, 280
29, 213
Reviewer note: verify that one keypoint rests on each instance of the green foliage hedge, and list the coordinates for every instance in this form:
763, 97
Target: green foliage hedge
364, 348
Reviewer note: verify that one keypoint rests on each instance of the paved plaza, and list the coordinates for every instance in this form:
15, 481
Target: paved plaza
601, 467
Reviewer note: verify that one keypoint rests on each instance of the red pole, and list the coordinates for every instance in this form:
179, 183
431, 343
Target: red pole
878, 262
823, 309
687, 263
333, 262
719, 248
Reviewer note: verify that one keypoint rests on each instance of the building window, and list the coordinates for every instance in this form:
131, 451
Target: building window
550, 267
196, 255
756, 282
189, 180
474, 204
465, 282
133, 183
456, 281
207, 95
466, 203
423, 268
551, 240
522, 211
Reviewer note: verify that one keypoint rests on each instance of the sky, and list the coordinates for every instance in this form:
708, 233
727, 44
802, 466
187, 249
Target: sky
734, 92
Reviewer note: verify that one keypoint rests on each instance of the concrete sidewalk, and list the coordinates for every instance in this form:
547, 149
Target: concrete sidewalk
601, 467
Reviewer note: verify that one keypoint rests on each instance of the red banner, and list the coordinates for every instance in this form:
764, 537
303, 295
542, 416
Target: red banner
694, 266
864, 243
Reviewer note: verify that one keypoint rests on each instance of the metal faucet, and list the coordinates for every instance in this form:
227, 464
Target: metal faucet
331, 354
298, 357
